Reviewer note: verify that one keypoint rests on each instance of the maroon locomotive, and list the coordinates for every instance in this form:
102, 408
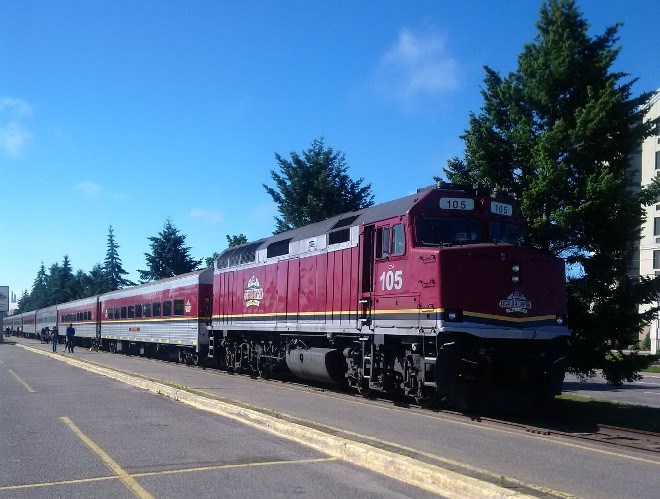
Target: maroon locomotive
430, 295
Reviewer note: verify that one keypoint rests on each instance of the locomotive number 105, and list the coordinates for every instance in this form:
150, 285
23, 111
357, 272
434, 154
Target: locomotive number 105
391, 280
465, 204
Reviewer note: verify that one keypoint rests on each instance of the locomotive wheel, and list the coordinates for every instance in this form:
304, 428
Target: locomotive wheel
428, 398
265, 370
181, 358
363, 388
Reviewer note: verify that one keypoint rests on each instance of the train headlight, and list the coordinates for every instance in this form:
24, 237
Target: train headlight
515, 279
515, 268
453, 315
561, 320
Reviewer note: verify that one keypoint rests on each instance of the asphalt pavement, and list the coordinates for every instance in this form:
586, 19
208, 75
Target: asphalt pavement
70, 433
539, 465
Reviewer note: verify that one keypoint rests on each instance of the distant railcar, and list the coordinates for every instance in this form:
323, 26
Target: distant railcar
14, 323
83, 315
29, 324
166, 315
46, 320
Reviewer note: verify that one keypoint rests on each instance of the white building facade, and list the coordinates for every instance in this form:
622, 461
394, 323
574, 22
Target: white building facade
647, 164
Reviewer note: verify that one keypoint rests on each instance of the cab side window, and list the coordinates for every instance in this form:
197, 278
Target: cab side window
398, 240
383, 242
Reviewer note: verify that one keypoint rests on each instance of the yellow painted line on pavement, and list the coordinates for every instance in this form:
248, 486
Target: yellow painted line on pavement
21, 381
166, 472
127, 479
61, 482
229, 466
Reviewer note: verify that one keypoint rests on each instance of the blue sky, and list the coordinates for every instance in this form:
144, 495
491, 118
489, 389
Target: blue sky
125, 113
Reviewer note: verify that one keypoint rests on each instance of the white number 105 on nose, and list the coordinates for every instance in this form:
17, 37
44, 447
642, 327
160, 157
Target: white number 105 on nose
391, 280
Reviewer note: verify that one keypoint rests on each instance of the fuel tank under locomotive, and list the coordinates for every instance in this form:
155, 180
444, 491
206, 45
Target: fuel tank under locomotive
323, 365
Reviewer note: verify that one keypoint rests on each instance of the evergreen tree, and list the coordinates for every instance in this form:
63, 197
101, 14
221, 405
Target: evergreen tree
53, 284
67, 282
97, 281
80, 285
113, 268
236, 240
559, 132
169, 256
38, 298
24, 303
314, 187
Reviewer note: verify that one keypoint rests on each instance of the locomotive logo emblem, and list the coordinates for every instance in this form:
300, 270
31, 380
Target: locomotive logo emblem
188, 307
254, 293
516, 302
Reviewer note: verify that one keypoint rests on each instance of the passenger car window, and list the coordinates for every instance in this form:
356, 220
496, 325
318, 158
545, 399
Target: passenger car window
178, 307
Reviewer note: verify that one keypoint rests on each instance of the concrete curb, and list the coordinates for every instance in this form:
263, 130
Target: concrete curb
405, 469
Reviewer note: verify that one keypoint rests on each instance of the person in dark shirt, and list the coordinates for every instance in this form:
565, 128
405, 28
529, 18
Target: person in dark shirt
55, 336
70, 334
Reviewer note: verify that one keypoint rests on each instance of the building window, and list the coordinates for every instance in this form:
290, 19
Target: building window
656, 259
656, 226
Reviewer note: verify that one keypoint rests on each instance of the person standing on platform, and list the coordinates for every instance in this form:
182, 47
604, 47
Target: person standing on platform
54, 338
70, 334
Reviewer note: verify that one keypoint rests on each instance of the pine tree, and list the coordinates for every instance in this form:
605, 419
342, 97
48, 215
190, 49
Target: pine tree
314, 187
113, 267
38, 297
169, 256
97, 281
559, 132
236, 240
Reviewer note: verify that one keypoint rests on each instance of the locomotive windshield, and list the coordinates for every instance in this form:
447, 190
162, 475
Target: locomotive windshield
456, 231
505, 233
442, 231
